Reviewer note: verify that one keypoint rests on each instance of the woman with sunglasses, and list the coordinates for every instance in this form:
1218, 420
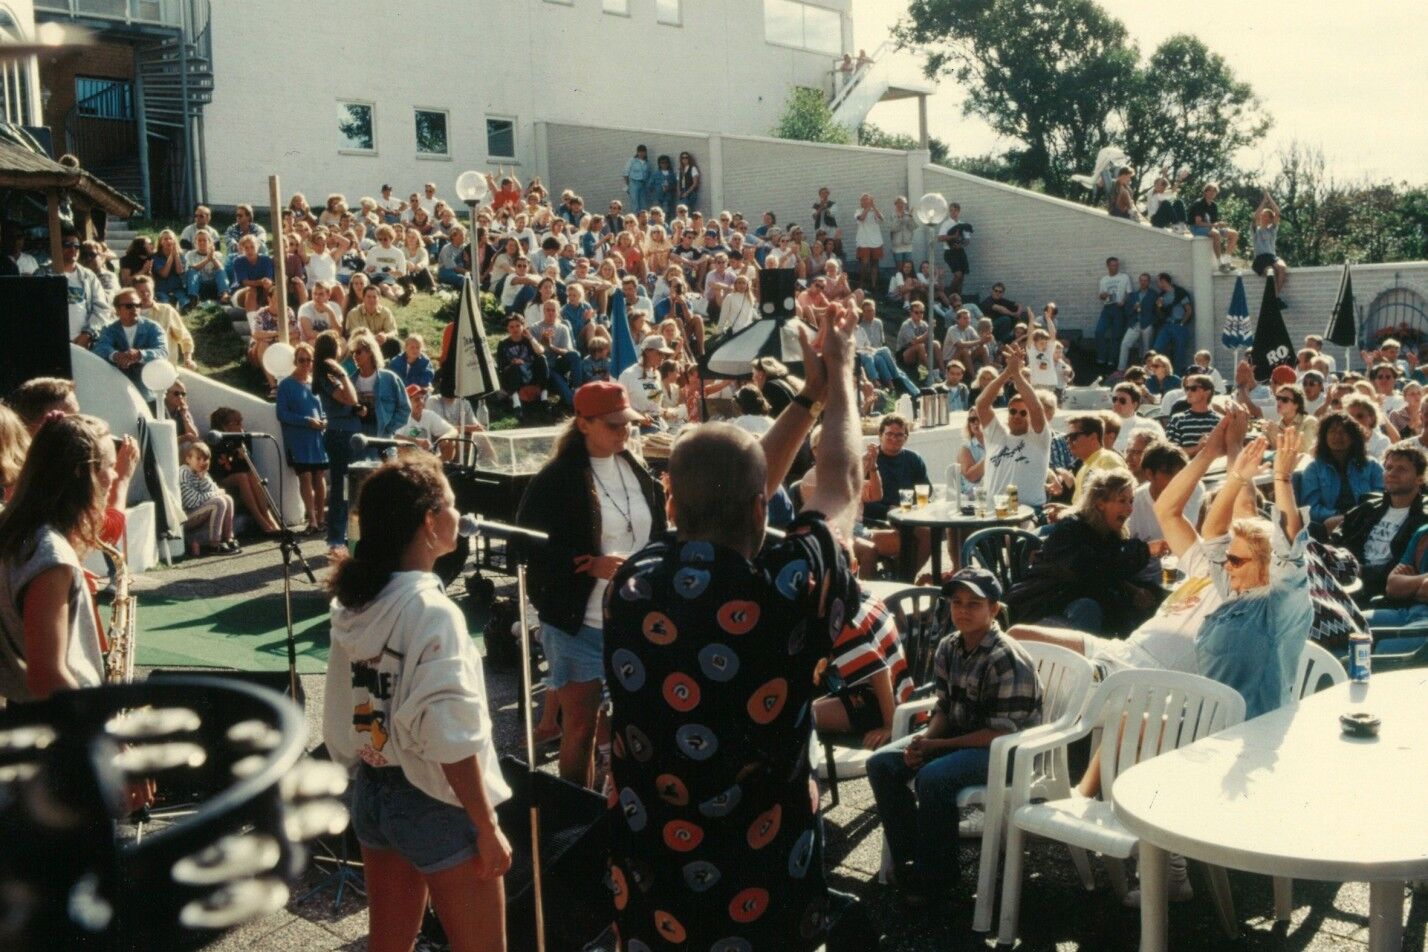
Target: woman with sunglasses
1379, 434
1407, 419
1385, 385
599, 504
300, 414
1341, 473
1290, 403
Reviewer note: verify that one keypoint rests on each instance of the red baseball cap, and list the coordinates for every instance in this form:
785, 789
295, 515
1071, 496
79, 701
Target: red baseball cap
1282, 375
413, 389
605, 400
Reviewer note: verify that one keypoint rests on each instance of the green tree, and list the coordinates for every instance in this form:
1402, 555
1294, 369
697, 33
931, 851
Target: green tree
1187, 112
806, 117
1046, 73
877, 137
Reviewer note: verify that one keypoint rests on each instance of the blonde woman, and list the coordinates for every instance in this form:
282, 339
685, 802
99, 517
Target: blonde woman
657, 250
332, 212
168, 272
739, 308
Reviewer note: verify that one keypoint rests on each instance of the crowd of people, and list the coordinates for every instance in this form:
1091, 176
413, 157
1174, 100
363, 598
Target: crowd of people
691, 655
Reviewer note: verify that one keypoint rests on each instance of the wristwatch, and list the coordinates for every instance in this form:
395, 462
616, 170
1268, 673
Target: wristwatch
803, 401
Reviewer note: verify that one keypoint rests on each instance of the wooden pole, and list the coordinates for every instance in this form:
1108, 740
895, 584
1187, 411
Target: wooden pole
56, 239
280, 259
537, 875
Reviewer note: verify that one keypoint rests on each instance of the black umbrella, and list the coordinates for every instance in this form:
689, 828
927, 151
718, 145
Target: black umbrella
1342, 329
1272, 344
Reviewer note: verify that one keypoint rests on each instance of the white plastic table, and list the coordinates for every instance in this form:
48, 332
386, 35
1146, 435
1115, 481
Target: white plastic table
1287, 794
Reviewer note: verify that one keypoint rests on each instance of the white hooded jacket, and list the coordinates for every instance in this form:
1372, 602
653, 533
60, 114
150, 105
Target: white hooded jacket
405, 688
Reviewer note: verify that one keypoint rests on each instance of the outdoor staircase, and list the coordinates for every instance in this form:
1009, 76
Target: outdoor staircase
887, 75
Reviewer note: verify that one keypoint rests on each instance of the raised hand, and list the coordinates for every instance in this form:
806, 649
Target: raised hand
1016, 360
1286, 453
1247, 464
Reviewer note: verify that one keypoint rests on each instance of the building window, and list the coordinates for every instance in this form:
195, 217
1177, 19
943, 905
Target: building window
501, 138
104, 98
804, 26
621, 7
669, 12
355, 125
431, 132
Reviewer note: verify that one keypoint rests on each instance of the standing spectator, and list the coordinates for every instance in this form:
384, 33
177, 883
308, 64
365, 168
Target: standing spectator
1176, 309
870, 242
1341, 474
167, 317
1265, 238
1019, 451
637, 174
717, 575
664, 186
986, 687
1188, 428
953, 235
901, 231
338, 399
689, 181
1114, 288
207, 509
825, 220
132, 341
204, 272
1205, 223
300, 414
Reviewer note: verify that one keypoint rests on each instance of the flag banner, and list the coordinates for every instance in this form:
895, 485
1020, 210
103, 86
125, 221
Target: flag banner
1272, 344
622, 344
1341, 328
475, 367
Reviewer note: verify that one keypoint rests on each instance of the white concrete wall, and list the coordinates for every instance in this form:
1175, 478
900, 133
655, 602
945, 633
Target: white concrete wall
275, 112
1312, 293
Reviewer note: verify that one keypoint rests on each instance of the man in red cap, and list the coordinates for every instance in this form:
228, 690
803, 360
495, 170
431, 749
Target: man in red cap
424, 427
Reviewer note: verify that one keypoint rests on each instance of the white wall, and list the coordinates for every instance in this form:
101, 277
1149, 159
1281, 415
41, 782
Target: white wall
23, 13
275, 112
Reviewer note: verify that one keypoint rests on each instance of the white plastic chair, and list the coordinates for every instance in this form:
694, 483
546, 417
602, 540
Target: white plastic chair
1066, 684
1141, 714
1315, 665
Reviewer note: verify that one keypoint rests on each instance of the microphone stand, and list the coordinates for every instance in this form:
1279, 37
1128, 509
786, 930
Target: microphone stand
288, 546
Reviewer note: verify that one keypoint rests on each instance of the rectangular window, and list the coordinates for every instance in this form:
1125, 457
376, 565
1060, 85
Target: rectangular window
501, 138
622, 7
804, 26
431, 132
669, 12
104, 98
356, 127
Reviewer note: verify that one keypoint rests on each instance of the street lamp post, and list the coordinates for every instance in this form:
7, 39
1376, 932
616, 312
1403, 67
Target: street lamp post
931, 210
472, 189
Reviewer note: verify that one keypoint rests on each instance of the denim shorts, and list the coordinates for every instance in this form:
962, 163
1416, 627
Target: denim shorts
388, 813
1200, 231
573, 658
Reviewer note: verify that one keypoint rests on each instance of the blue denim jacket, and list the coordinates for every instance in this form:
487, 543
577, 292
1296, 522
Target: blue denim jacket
1253, 641
1319, 485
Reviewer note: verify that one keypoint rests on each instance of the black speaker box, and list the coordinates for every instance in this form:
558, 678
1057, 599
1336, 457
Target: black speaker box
34, 319
776, 290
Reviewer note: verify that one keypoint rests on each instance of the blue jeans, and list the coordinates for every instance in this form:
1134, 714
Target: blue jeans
921, 823
173, 290
637, 197
880, 368
1109, 330
338, 444
450, 277
564, 371
196, 282
899, 257
1083, 614
1175, 339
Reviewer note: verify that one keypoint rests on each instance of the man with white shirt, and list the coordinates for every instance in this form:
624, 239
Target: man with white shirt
1114, 288
391, 206
642, 381
201, 218
424, 427
23, 264
1159, 464
132, 341
428, 199
1377, 531
1316, 343
89, 309
1019, 451
1125, 402
1314, 396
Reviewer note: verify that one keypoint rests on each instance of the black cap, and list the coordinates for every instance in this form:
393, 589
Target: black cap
979, 582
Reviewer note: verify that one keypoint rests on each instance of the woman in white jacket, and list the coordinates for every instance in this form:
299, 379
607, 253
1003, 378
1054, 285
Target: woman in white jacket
406, 705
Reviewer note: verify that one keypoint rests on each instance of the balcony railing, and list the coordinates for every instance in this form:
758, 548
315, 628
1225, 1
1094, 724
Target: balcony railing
162, 12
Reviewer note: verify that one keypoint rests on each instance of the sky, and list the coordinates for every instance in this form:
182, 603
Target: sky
1350, 78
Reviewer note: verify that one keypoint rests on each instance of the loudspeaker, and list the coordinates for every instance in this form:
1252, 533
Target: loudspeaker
34, 318
776, 290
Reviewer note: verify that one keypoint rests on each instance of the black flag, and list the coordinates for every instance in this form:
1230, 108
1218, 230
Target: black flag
1341, 328
1272, 346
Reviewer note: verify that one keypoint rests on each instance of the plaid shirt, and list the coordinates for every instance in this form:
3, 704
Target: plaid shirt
990, 686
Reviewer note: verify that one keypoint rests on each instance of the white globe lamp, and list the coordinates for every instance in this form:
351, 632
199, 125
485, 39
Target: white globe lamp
471, 187
278, 359
158, 375
931, 208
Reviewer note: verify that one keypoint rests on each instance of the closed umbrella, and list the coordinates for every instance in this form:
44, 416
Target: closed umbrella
622, 344
1341, 329
475, 369
1237, 334
1272, 345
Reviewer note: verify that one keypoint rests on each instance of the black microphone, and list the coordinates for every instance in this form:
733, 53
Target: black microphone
214, 437
361, 443
473, 525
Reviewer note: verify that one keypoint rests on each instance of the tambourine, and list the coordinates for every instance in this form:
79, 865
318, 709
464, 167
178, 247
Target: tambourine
69, 881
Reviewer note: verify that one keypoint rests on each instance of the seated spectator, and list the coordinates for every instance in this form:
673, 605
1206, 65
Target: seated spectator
137, 259
866, 675
520, 362
913, 339
386, 265
252, 275
1341, 474
413, 365
596, 365
966, 343
1378, 432
561, 355
264, 330
1161, 379
177, 409
1255, 397
1407, 419
1125, 403
417, 276
754, 413
132, 341
874, 357
322, 313
1085, 438
204, 271
773, 380
1205, 222
35, 399
374, 316
1159, 462
959, 396
905, 286
176, 333
1188, 427
1004, 312
1378, 530
1163, 206
453, 262
1293, 414
1057, 587
232, 470
425, 427
974, 661
207, 508
167, 270
202, 216
1384, 376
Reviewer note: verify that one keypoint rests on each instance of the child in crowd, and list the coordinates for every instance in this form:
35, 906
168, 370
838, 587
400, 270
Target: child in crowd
413, 365
959, 396
597, 365
986, 686
208, 508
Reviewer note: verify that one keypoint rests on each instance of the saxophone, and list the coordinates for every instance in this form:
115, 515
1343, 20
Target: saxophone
119, 639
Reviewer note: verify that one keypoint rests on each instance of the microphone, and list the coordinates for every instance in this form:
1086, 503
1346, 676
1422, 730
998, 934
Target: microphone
474, 525
361, 443
214, 437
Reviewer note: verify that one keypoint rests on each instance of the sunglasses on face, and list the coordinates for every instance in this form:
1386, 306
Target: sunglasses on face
1018, 413
1119, 400
1236, 561
1193, 388
1283, 398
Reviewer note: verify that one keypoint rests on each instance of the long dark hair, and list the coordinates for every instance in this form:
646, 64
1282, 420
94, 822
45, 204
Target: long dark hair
1357, 450
403, 491
59, 485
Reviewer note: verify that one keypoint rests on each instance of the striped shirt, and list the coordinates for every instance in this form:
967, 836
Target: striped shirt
993, 685
868, 644
1187, 427
195, 489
